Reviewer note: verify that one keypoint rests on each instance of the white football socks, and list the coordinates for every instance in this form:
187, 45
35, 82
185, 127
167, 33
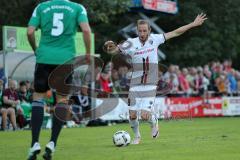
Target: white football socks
153, 120
135, 127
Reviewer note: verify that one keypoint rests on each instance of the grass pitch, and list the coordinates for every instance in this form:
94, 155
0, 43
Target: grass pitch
198, 139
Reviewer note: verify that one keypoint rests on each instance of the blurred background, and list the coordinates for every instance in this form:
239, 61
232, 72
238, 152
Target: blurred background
218, 39
202, 63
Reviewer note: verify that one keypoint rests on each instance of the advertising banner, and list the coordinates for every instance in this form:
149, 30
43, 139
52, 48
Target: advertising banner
166, 6
15, 39
231, 106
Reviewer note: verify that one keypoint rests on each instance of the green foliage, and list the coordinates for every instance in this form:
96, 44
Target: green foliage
217, 39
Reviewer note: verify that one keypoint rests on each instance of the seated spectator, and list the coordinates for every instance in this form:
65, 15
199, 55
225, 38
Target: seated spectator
30, 91
25, 103
1, 93
22, 92
1, 96
81, 104
10, 104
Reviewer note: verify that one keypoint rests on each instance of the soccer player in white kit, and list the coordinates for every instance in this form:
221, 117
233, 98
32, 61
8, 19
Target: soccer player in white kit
143, 52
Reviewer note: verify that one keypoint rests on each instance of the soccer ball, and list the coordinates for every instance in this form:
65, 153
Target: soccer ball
121, 138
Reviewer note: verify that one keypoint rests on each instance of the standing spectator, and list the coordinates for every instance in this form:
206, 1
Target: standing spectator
227, 65
232, 81
191, 77
10, 104
203, 86
183, 83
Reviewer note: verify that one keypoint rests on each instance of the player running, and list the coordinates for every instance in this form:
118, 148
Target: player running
144, 57
58, 21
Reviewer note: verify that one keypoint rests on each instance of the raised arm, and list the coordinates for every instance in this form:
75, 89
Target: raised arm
199, 20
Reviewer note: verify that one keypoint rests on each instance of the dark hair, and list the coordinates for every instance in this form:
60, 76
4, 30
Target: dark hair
22, 83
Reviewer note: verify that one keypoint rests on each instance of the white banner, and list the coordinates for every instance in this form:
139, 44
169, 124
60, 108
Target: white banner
231, 106
120, 112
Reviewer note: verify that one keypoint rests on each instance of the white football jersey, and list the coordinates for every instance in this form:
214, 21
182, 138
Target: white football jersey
144, 57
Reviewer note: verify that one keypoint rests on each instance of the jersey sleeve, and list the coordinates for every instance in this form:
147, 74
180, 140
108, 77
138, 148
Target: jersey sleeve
159, 38
35, 19
82, 14
126, 47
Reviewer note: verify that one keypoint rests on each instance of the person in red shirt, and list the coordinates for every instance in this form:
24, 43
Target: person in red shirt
184, 84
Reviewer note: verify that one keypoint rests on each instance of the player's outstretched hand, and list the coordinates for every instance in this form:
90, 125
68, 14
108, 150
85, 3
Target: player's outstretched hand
199, 20
110, 47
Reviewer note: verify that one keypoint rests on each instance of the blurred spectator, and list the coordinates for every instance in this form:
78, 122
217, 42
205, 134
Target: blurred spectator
171, 77
232, 81
116, 82
30, 90
81, 104
221, 83
25, 104
227, 65
203, 83
191, 78
10, 104
123, 78
1, 96
22, 92
104, 83
183, 83
1, 92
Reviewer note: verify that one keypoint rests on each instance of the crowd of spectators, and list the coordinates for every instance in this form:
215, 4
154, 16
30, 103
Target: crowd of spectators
214, 78
14, 101
15, 104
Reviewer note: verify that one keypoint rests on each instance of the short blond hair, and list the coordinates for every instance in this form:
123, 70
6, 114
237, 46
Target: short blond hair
142, 21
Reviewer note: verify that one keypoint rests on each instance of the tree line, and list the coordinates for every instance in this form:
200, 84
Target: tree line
217, 39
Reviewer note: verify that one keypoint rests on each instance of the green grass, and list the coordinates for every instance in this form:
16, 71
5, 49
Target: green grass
197, 139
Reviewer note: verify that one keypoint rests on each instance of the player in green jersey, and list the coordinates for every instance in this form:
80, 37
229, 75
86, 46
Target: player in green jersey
58, 21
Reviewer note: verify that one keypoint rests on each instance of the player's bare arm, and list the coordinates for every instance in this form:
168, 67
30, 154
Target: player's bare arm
31, 37
199, 20
86, 36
